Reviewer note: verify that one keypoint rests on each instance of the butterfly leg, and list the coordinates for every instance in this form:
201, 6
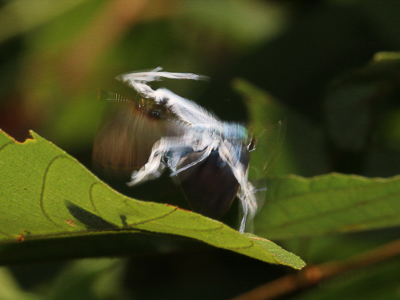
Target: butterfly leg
156, 164
247, 191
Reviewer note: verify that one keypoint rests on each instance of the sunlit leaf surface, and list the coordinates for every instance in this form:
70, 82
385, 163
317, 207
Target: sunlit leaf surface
46, 194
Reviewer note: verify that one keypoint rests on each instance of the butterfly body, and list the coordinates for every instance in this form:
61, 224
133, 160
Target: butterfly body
210, 158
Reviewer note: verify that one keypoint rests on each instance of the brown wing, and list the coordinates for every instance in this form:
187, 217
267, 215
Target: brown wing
127, 134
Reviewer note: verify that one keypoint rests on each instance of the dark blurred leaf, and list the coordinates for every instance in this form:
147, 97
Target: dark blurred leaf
356, 100
99, 279
335, 203
10, 290
268, 126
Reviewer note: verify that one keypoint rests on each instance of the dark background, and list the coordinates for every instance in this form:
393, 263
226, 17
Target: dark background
325, 62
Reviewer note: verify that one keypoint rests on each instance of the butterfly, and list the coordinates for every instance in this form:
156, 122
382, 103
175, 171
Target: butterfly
209, 157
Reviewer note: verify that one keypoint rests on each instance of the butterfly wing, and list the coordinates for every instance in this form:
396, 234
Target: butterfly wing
127, 133
210, 186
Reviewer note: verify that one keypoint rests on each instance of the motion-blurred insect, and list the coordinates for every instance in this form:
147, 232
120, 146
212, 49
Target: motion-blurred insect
163, 130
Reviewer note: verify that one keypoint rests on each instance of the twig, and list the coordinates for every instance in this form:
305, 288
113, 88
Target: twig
311, 275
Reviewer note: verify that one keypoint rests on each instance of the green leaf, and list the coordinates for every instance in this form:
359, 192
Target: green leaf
267, 124
49, 200
335, 203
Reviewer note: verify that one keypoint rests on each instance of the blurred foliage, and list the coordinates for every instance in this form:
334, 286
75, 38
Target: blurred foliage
316, 58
